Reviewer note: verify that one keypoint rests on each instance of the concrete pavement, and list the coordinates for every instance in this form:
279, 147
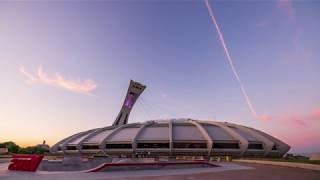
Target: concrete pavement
13, 175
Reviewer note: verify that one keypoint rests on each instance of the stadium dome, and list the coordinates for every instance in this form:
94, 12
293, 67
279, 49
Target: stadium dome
173, 137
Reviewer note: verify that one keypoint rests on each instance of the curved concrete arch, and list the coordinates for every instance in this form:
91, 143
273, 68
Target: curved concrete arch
97, 131
204, 134
65, 144
55, 147
282, 147
134, 140
104, 141
243, 142
267, 143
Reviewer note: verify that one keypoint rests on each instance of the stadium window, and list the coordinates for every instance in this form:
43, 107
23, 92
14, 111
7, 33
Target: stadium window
255, 146
90, 147
118, 146
218, 145
190, 145
153, 145
71, 148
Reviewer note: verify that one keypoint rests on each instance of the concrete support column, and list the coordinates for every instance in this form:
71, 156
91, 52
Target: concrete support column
204, 134
171, 136
104, 141
65, 143
134, 140
267, 144
243, 142
97, 131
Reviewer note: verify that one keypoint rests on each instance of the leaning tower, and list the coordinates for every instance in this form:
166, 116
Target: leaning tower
134, 91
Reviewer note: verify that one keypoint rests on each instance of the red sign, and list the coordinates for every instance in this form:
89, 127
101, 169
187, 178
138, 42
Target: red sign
24, 162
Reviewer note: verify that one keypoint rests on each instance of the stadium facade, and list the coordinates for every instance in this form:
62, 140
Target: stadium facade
170, 137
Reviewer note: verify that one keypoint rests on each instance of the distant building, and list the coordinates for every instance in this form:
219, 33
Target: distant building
314, 156
3, 150
44, 145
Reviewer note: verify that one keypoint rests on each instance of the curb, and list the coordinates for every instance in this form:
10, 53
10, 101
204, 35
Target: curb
286, 164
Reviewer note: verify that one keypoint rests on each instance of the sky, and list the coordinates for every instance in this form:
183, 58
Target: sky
66, 66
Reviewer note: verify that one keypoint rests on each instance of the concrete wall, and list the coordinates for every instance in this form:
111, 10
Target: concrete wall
69, 165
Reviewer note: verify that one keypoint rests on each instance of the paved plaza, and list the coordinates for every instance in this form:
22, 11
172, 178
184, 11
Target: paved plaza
227, 171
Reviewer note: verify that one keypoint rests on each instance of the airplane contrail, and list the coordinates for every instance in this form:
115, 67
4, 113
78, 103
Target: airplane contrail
230, 62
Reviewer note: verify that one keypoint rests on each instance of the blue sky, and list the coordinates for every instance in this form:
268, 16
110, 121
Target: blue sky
173, 48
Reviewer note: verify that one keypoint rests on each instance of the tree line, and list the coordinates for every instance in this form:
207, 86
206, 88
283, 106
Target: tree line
16, 149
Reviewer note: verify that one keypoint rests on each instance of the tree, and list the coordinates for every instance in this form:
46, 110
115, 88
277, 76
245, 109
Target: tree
12, 147
32, 150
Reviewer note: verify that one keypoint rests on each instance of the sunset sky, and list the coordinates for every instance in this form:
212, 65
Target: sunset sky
65, 66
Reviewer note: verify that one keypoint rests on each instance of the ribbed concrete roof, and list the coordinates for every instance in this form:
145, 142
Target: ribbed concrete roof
154, 132
216, 133
97, 138
175, 131
186, 132
125, 134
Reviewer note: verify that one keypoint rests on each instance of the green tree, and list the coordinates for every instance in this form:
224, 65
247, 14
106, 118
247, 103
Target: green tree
12, 147
32, 150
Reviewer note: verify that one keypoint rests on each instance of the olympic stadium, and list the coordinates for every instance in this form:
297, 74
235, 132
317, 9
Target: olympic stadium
170, 137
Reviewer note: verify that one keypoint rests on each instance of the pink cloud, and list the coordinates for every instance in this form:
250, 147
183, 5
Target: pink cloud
57, 80
299, 130
297, 121
286, 7
265, 118
299, 139
303, 119
316, 114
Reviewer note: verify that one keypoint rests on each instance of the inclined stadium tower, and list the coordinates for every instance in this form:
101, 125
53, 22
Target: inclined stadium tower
172, 137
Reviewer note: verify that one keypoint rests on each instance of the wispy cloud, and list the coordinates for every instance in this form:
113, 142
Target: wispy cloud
265, 117
287, 8
301, 129
303, 119
284, 7
296, 119
231, 64
57, 80
30, 78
